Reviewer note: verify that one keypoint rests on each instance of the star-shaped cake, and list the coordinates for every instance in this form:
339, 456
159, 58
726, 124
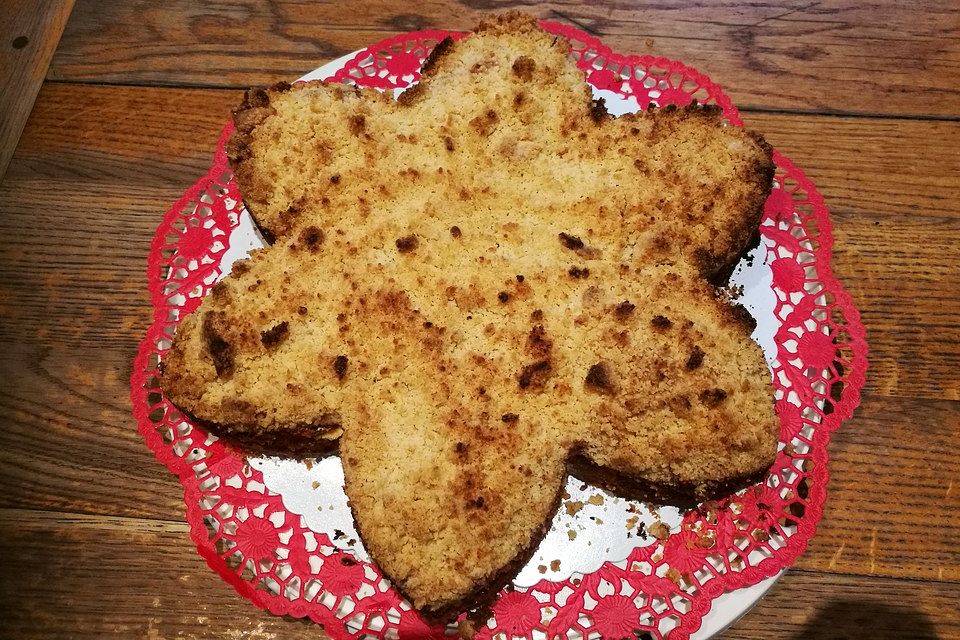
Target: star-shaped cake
478, 288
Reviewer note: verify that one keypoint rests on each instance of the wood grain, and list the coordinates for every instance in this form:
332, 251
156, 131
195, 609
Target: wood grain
134, 578
872, 166
782, 54
68, 440
75, 282
893, 493
30, 32
901, 270
808, 606
68, 575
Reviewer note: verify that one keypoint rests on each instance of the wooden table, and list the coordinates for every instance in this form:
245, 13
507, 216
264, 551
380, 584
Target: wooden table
132, 95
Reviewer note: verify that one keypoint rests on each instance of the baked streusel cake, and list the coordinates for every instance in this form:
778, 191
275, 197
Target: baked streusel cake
478, 287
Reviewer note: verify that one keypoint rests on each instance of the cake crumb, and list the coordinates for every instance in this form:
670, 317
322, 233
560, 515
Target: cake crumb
659, 531
308, 463
596, 499
632, 522
573, 507
466, 628
571, 534
542, 568
315, 484
554, 565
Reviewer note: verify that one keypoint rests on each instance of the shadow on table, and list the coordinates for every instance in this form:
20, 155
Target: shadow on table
851, 619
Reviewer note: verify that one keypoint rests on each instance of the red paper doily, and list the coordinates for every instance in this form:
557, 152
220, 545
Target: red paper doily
662, 590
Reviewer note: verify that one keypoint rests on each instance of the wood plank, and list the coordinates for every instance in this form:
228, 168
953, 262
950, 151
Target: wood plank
902, 272
122, 138
134, 578
109, 160
894, 489
120, 577
31, 31
784, 54
69, 440
872, 166
805, 605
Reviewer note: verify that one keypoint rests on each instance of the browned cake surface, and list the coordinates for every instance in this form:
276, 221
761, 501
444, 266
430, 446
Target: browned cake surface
477, 285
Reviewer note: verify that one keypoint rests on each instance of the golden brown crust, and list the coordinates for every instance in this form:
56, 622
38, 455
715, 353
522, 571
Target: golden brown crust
486, 590
477, 287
